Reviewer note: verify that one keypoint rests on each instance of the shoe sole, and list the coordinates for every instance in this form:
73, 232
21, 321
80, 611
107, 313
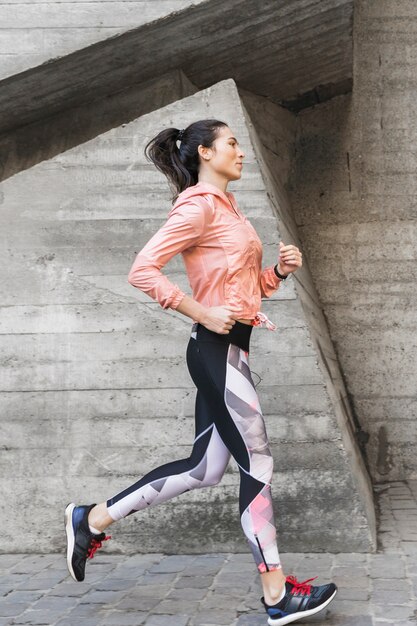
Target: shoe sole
281, 621
70, 538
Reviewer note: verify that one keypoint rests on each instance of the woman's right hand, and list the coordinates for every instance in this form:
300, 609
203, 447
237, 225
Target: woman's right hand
219, 319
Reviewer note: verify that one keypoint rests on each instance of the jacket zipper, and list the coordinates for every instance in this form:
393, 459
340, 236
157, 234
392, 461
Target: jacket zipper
231, 204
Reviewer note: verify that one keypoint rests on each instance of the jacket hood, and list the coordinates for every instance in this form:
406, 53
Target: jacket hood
202, 189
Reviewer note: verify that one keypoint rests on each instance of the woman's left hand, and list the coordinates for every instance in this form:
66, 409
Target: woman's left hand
290, 259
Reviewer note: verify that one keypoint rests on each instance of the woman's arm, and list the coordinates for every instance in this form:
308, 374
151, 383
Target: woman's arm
181, 230
290, 259
191, 308
219, 319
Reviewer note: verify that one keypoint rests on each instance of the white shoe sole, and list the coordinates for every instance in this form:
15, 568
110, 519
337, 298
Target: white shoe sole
281, 621
70, 538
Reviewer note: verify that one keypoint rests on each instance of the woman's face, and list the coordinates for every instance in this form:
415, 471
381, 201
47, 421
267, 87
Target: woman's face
226, 156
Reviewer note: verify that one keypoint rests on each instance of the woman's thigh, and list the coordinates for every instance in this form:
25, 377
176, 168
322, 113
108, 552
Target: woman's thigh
221, 374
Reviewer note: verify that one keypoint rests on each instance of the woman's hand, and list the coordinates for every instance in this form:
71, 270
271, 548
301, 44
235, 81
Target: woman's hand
219, 319
290, 259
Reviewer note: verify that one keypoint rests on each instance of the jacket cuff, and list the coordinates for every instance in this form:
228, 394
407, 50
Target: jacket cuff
271, 279
174, 299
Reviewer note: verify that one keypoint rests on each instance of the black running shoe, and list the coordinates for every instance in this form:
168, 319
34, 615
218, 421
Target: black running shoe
81, 542
301, 600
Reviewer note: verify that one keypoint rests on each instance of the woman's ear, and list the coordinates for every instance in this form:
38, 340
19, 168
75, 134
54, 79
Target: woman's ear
204, 152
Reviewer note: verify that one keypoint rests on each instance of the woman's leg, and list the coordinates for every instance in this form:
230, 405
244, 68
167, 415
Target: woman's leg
221, 373
205, 466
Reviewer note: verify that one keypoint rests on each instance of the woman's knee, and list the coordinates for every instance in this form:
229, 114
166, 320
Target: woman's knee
212, 478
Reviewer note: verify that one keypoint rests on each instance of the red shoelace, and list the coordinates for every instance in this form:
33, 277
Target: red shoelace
96, 545
300, 588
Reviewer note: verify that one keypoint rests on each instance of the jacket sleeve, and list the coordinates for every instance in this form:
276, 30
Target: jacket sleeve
182, 230
269, 282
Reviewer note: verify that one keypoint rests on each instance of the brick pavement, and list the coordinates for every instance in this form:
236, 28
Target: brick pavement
218, 589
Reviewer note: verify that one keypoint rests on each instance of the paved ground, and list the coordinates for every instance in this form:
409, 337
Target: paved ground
218, 589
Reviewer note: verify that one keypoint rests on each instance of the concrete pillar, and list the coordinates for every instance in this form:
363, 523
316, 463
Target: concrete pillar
353, 196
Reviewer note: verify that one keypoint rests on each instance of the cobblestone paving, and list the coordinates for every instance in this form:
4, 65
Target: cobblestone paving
218, 589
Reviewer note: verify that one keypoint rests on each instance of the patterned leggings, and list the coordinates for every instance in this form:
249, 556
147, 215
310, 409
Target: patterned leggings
228, 421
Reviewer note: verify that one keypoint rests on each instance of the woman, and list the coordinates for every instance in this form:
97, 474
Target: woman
223, 256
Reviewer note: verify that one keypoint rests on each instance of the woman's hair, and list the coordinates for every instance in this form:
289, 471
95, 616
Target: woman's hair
181, 164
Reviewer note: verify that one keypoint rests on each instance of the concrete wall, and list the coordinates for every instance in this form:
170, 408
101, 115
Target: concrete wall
29, 144
95, 390
353, 194
79, 346
35, 32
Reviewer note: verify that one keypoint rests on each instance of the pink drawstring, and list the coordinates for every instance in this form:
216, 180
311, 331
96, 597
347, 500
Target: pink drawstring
262, 320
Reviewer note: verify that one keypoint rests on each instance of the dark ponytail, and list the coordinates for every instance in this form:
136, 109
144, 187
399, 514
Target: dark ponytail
181, 164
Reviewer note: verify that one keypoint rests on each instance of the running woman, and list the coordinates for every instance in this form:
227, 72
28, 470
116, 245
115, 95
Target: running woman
223, 258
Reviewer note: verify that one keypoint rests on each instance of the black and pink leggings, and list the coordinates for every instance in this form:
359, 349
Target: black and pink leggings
228, 421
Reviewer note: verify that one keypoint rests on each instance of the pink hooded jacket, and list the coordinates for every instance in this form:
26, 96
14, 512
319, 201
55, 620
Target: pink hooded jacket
221, 251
